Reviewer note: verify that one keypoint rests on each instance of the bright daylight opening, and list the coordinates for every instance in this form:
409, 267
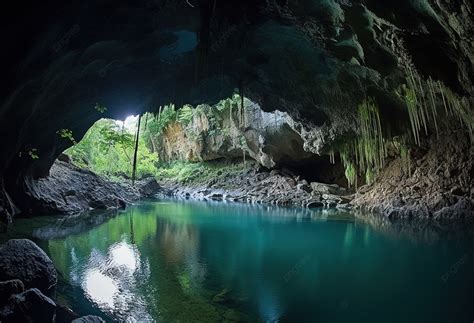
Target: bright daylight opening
198, 145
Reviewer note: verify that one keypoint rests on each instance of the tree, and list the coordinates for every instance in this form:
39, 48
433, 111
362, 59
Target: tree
107, 149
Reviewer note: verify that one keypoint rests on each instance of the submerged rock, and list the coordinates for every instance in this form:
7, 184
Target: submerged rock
22, 259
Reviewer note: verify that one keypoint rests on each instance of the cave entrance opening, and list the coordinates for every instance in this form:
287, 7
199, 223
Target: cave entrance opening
111, 147
200, 145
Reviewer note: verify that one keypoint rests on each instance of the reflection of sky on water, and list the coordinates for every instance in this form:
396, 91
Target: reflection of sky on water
100, 288
275, 263
125, 255
111, 281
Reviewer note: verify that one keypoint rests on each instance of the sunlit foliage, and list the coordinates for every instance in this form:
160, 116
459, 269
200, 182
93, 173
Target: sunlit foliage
107, 149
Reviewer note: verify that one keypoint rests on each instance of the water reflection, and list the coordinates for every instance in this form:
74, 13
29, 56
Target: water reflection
122, 254
209, 262
99, 287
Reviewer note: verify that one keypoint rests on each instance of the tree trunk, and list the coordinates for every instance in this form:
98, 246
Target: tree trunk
134, 170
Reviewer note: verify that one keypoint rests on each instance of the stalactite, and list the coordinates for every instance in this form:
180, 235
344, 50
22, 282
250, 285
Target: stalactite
331, 157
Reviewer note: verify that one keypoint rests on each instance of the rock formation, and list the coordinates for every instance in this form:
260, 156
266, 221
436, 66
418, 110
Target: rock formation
22, 259
69, 189
440, 184
226, 131
29, 276
316, 60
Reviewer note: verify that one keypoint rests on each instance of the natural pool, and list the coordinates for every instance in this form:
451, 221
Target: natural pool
181, 261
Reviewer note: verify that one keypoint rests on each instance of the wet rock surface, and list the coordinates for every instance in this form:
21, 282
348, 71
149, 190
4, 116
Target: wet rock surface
24, 260
255, 185
23, 263
29, 306
9, 287
69, 189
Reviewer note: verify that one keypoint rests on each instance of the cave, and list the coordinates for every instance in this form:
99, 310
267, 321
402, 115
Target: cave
239, 161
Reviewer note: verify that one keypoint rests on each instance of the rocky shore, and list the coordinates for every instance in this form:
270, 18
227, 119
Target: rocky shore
27, 281
436, 185
255, 185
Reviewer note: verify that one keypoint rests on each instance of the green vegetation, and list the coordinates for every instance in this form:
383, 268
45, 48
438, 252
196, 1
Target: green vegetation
100, 108
107, 149
185, 114
366, 153
370, 151
165, 115
33, 153
198, 173
66, 134
422, 99
350, 168
227, 109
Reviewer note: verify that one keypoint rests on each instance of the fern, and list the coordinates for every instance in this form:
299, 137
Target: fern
185, 114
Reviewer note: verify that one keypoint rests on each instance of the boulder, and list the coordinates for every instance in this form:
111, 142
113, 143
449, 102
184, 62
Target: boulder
333, 189
69, 189
148, 187
64, 314
29, 306
23, 259
8, 288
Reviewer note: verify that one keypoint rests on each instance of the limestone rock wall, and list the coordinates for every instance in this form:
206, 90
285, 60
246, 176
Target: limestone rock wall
439, 185
230, 133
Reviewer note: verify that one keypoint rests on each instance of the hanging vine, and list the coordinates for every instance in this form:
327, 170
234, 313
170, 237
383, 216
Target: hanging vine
423, 98
366, 153
371, 151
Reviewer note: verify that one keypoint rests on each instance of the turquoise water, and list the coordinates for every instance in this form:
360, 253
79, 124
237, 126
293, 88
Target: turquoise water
175, 261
